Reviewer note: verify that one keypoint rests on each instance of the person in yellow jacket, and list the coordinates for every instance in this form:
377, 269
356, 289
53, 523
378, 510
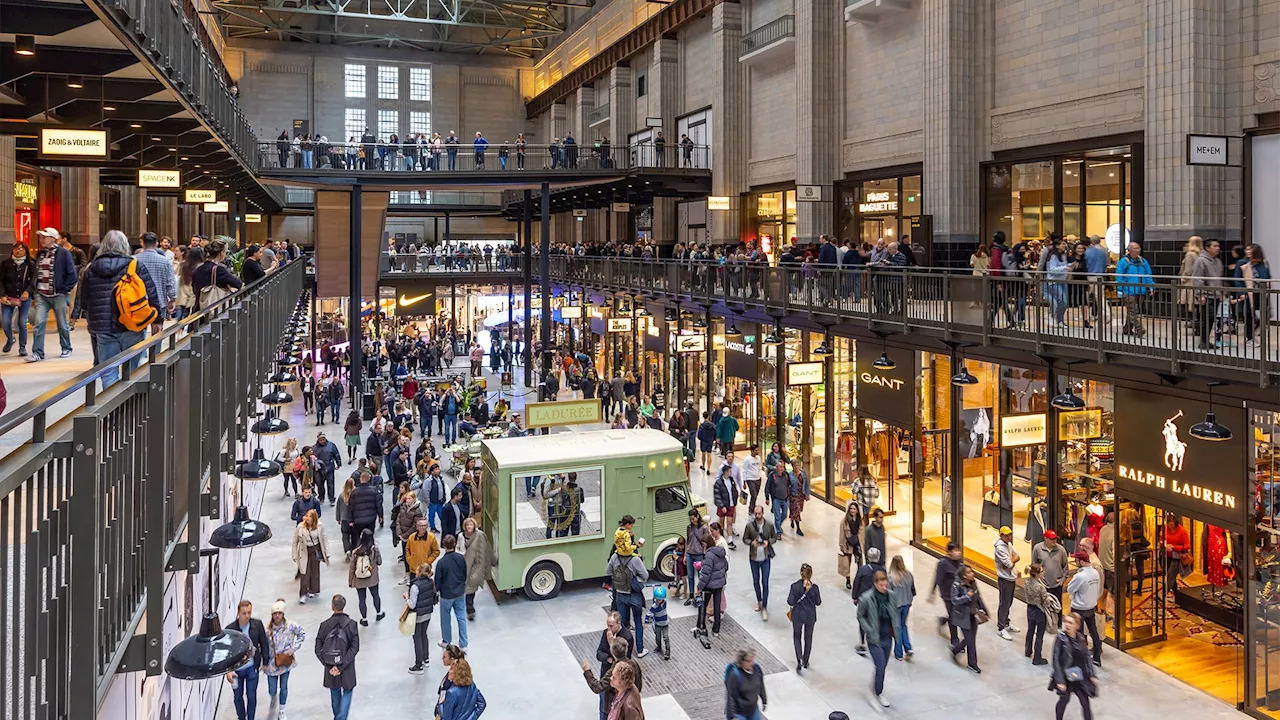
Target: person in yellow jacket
421, 547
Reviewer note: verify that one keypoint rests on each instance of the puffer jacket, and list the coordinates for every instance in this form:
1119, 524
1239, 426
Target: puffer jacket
715, 569
407, 520
99, 289
365, 505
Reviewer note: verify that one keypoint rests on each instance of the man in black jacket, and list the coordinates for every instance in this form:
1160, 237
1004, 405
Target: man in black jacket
364, 507
451, 579
328, 460
863, 582
110, 338
302, 504
944, 579
744, 687
337, 644
613, 628
453, 514
245, 679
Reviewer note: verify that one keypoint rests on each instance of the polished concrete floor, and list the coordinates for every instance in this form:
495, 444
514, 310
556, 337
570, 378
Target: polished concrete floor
26, 381
525, 653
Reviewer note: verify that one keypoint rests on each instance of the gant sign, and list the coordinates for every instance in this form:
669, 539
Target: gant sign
886, 394
1159, 462
884, 382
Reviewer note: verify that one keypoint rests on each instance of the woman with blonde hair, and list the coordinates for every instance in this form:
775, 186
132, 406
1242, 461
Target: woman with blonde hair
310, 548
286, 639
480, 562
420, 600
462, 701
1190, 251
902, 590
288, 454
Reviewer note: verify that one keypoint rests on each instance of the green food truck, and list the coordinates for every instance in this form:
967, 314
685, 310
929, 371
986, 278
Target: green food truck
552, 504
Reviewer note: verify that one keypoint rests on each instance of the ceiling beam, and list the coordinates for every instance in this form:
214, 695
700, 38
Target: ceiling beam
359, 10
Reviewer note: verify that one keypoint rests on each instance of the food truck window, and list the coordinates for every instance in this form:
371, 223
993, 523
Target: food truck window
557, 505
670, 499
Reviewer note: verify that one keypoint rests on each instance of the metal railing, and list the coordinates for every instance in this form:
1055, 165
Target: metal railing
1167, 325
96, 508
168, 38
783, 27
598, 114
332, 158
449, 261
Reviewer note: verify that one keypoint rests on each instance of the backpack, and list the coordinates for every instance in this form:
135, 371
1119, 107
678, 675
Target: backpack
622, 574
996, 267
364, 567
335, 645
134, 310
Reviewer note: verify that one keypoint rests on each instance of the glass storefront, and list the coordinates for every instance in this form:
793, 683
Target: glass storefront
741, 389
771, 218
1077, 195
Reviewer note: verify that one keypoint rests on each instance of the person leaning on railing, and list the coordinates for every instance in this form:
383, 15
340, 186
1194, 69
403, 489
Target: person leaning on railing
1134, 281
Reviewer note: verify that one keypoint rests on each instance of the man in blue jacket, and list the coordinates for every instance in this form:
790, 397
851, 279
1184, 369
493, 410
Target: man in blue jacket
1134, 269
449, 404
480, 146
56, 277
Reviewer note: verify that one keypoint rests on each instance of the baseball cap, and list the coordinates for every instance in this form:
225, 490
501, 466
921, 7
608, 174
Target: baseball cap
49, 232
1006, 530
1082, 557
1050, 534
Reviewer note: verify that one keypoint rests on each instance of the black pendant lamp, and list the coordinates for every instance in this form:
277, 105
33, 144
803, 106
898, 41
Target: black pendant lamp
643, 311
257, 467
732, 331
281, 377
700, 323
671, 315
823, 350
774, 337
277, 397
884, 362
964, 377
211, 653
290, 361
270, 424
1068, 400
1210, 429
241, 532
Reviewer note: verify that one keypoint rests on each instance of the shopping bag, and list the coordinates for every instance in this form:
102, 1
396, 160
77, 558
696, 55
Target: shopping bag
408, 620
990, 513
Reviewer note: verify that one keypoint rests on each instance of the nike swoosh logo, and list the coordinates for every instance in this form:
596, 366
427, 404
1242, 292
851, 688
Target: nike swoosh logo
404, 301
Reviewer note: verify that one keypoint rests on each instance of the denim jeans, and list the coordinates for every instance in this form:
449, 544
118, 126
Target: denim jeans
690, 559
780, 509
458, 606
111, 344
450, 429
632, 611
282, 683
1056, 294
755, 715
43, 304
307, 156
7, 314
903, 641
247, 684
433, 514
453, 159
340, 700
880, 656
760, 580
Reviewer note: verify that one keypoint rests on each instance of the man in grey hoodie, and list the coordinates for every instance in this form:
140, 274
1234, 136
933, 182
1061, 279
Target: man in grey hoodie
1206, 278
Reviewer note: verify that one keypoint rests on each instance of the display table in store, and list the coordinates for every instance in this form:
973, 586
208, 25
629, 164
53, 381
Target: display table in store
1222, 605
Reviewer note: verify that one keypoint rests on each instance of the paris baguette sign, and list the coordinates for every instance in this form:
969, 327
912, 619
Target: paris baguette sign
1158, 461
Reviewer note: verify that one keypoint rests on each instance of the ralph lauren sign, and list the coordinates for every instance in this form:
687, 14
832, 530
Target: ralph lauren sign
1158, 461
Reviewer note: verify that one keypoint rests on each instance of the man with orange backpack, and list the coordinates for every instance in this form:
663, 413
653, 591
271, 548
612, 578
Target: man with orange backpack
120, 300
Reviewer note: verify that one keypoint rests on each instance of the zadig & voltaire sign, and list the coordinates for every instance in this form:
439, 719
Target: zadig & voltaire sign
1158, 461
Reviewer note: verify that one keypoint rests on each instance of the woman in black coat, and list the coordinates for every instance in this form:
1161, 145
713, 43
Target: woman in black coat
966, 609
1072, 668
213, 273
804, 599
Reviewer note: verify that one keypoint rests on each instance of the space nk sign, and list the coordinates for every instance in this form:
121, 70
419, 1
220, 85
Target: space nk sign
1208, 150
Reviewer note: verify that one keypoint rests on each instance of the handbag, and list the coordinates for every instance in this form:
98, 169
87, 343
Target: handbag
990, 512
408, 621
981, 616
283, 660
1074, 674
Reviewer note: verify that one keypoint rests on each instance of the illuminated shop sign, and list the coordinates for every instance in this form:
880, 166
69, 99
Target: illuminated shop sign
619, 325
1019, 430
691, 343
148, 178
570, 312
878, 202
253, 217
201, 196
1158, 461
805, 373
25, 192
888, 395
65, 142
216, 207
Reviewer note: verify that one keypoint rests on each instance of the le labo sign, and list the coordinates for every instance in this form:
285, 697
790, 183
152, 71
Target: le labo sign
1158, 461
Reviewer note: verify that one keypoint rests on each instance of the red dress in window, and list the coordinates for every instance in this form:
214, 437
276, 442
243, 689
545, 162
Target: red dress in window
1217, 550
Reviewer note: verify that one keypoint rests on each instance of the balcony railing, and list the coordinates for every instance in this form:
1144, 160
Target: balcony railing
767, 34
333, 158
1168, 324
598, 115
98, 507
173, 44
454, 259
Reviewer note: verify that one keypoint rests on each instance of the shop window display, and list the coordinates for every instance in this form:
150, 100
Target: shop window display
844, 416
934, 483
1265, 585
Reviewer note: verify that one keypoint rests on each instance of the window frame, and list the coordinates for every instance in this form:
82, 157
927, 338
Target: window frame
353, 73
388, 82
347, 116
420, 78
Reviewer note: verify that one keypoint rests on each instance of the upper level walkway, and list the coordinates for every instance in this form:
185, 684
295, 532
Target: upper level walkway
1168, 326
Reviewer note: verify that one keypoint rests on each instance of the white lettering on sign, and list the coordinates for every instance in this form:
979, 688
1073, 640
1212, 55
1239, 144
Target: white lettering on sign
740, 347
884, 382
878, 202
1190, 490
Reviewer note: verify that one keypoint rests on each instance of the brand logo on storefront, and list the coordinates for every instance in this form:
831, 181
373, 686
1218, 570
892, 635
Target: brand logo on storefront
619, 325
1185, 489
1021, 430
1175, 450
148, 178
884, 382
66, 142
25, 192
878, 202
691, 343
805, 373
740, 347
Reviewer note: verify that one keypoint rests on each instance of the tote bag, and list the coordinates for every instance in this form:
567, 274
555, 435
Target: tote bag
212, 294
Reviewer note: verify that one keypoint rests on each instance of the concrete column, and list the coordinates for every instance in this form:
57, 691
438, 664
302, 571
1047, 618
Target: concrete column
729, 146
1185, 93
664, 88
557, 122
619, 222
165, 223
951, 137
665, 221
586, 103
80, 197
8, 175
133, 211
819, 27
622, 109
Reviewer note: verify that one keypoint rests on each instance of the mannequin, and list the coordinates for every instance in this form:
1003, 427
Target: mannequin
1095, 517
1218, 555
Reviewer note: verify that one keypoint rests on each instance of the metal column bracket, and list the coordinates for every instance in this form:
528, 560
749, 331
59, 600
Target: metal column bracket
134, 658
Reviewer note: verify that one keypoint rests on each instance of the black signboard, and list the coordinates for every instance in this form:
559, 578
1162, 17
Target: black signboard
887, 395
1158, 461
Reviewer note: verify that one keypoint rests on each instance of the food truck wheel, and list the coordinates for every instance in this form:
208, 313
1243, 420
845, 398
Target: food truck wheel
666, 565
543, 581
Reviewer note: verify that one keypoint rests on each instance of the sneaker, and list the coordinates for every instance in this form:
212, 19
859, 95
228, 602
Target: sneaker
883, 701
34, 357
302, 600
281, 716
1039, 661
976, 671
666, 657
733, 545
380, 616
642, 653
694, 629
443, 644
64, 354
688, 601
1004, 634
22, 352
764, 614
7, 346
416, 670
471, 617
861, 650
364, 622
1012, 629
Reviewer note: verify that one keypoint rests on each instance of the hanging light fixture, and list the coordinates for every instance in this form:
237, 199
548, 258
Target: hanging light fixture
281, 376
24, 45
964, 377
775, 337
1067, 400
643, 311
686, 313
700, 323
277, 397
241, 532
732, 331
258, 467
75, 82
671, 315
823, 350
290, 361
884, 362
212, 652
1210, 429
270, 424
